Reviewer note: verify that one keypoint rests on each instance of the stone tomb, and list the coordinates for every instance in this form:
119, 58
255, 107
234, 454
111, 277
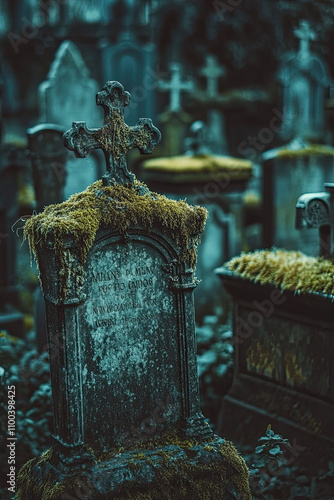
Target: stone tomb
116, 266
284, 350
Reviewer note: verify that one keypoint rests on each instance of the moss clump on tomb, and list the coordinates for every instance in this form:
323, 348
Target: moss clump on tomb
287, 270
235, 167
183, 479
118, 208
314, 149
172, 476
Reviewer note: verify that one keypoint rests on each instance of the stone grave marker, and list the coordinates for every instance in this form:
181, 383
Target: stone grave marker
283, 338
305, 79
132, 62
301, 165
175, 86
116, 265
175, 121
63, 97
48, 161
211, 103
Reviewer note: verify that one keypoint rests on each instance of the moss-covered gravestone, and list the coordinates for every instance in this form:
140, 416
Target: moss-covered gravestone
116, 265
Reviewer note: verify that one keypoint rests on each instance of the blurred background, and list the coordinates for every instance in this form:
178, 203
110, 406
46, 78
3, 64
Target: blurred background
233, 86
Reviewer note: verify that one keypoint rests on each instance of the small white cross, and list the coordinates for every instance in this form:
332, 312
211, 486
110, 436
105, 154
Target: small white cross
176, 86
212, 71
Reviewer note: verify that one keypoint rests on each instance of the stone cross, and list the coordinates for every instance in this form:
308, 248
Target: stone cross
212, 71
176, 86
305, 34
115, 138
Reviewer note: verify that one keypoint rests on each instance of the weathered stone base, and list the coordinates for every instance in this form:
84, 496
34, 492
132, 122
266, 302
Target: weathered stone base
212, 469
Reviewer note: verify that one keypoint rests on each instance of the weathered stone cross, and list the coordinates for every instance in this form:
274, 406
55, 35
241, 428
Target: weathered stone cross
176, 86
212, 71
115, 138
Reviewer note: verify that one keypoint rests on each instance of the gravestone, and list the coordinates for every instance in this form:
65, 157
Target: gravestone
132, 62
175, 121
119, 301
300, 165
48, 160
211, 102
215, 118
305, 79
283, 339
63, 97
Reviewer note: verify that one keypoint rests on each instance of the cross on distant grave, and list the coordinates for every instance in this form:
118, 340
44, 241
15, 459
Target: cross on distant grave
115, 138
305, 34
176, 86
212, 71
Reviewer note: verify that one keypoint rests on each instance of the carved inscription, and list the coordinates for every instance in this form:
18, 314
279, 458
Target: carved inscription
121, 287
129, 338
121, 294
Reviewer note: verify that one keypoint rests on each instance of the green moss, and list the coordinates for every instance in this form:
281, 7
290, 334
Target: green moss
315, 149
204, 481
169, 438
235, 168
114, 136
174, 478
293, 271
117, 207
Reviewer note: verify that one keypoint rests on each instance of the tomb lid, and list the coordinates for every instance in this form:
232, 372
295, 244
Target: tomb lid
200, 164
298, 147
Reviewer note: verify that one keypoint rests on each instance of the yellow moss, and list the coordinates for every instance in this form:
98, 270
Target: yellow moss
117, 207
116, 133
293, 371
314, 149
251, 199
179, 478
235, 167
260, 359
286, 270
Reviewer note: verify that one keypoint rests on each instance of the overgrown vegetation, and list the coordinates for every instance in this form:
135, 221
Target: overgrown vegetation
287, 270
118, 208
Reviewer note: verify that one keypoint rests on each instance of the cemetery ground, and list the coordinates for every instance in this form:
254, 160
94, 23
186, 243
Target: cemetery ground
28, 370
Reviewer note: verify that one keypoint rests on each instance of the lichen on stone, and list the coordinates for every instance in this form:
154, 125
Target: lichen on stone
198, 470
116, 207
287, 270
114, 136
